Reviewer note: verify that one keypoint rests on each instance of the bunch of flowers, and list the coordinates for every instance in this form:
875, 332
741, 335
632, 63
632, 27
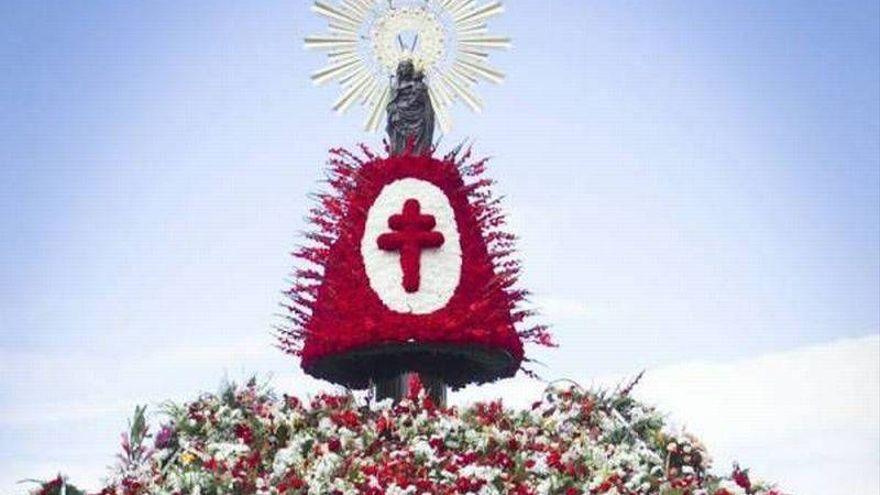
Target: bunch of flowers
247, 440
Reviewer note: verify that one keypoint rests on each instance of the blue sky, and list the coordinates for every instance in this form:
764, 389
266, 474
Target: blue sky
692, 181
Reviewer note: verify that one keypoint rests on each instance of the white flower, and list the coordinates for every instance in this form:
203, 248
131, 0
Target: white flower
322, 475
326, 425
423, 450
732, 487
485, 473
489, 490
225, 451
396, 490
380, 405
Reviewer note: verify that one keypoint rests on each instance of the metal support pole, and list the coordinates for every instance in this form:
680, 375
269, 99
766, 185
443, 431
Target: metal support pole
398, 387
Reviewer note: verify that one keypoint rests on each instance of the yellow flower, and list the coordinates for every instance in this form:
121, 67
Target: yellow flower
187, 458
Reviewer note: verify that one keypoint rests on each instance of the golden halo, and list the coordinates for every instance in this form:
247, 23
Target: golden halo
450, 43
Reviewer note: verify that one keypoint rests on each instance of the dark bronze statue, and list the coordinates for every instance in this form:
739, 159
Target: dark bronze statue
410, 113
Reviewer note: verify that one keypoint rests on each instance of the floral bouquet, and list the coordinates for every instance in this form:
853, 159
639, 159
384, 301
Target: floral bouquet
248, 440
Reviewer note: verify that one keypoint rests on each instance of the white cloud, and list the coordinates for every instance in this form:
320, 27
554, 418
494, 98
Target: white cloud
561, 309
829, 387
808, 418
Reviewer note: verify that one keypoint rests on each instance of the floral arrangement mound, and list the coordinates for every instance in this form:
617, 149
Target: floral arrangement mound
248, 440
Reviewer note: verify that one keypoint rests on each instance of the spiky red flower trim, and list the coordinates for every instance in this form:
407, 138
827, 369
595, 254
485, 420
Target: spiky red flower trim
333, 311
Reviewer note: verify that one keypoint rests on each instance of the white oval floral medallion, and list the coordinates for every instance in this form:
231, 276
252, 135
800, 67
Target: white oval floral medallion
424, 238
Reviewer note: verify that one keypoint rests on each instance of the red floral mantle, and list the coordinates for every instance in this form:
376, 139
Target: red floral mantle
345, 333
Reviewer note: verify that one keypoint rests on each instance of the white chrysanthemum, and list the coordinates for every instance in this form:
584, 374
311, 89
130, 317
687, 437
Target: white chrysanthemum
486, 473
489, 490
396, 490
321, 477
293, 454
226, 451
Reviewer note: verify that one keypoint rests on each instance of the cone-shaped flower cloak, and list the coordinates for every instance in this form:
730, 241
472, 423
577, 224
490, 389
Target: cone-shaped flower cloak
408, 270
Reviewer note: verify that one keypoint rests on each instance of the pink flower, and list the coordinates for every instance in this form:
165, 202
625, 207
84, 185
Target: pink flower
165, 437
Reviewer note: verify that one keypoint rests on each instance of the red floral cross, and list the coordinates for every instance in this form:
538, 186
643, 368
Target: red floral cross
412, 233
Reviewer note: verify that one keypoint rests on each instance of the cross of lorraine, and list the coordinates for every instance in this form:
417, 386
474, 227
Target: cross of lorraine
413, 232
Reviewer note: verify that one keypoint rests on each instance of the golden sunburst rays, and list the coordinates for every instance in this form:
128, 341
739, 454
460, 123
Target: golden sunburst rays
365, 42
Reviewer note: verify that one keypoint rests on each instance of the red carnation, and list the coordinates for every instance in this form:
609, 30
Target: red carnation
244, 433
741, 478
334, 445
